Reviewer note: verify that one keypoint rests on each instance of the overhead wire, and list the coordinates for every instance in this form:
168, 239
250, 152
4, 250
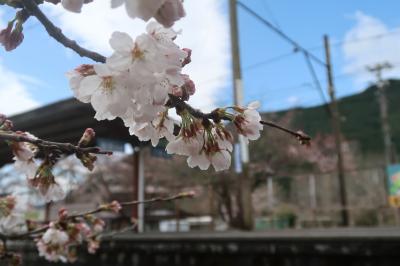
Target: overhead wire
271, 13
280, 33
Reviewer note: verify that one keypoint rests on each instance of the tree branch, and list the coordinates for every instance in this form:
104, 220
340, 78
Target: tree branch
65, 147
56, 33
299, 135
28, 235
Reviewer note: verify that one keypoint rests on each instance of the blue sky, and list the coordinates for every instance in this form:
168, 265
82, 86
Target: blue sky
35, 71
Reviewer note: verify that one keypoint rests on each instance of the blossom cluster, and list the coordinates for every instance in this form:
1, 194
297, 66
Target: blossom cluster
62, 237
38, 173
12, 219
136, 83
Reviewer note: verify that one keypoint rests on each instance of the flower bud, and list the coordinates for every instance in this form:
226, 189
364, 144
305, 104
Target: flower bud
188, 58
7, 125
189, 85
113, 206
62, 214
11, 38
87, 137
170, 11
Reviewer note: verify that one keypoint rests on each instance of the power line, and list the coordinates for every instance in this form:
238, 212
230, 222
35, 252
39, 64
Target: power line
370, 38
281, 56
316, 80
269, 61
271, 13
280, 33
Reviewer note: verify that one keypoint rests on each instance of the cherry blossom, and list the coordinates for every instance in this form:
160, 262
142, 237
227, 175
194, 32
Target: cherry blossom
248, 120
46, 184
106, 90
215, 151
24, 154
12, 218
53, 245
76, 76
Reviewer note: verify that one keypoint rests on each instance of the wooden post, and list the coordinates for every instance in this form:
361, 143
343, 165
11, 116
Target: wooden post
338, 136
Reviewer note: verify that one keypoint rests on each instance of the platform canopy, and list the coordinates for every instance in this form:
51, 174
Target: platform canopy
65, 121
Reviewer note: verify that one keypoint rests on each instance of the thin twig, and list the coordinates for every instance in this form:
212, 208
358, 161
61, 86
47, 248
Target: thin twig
159, 199
28, 235
65, 147
301, 136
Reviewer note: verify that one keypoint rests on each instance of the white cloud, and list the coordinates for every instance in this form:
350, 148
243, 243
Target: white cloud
359, 54
2, 22
14, 95
205, 31
293, 100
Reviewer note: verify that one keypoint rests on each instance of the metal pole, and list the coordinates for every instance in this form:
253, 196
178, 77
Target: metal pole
244, 192
141, 192
338, 136
135, 185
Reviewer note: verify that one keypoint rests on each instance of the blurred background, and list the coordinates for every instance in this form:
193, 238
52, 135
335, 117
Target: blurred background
349, 105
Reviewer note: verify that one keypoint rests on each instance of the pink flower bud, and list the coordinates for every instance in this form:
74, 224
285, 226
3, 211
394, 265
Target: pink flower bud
62, 214
170, 11
113, 206
5, 33
188, 58
189, 85
87, 137
7, 125
10, 38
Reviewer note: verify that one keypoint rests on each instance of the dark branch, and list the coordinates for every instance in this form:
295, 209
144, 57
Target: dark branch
299, 135
56, 33
64, 147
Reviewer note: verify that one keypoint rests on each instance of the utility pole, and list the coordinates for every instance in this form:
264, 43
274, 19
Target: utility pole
383, 105
241, 148
338, 135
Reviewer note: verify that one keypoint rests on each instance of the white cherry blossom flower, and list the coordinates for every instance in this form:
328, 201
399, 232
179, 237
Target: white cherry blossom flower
138, 56
108, 94
215, 151
12, 218
53, 245
54, 193
248, 122
164, 126
76, 76
24, 154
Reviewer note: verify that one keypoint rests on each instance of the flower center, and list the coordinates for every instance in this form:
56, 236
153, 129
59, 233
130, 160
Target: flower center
137, 53
108, 84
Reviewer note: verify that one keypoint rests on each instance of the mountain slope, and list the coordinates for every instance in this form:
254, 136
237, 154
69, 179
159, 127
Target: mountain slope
360, 118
